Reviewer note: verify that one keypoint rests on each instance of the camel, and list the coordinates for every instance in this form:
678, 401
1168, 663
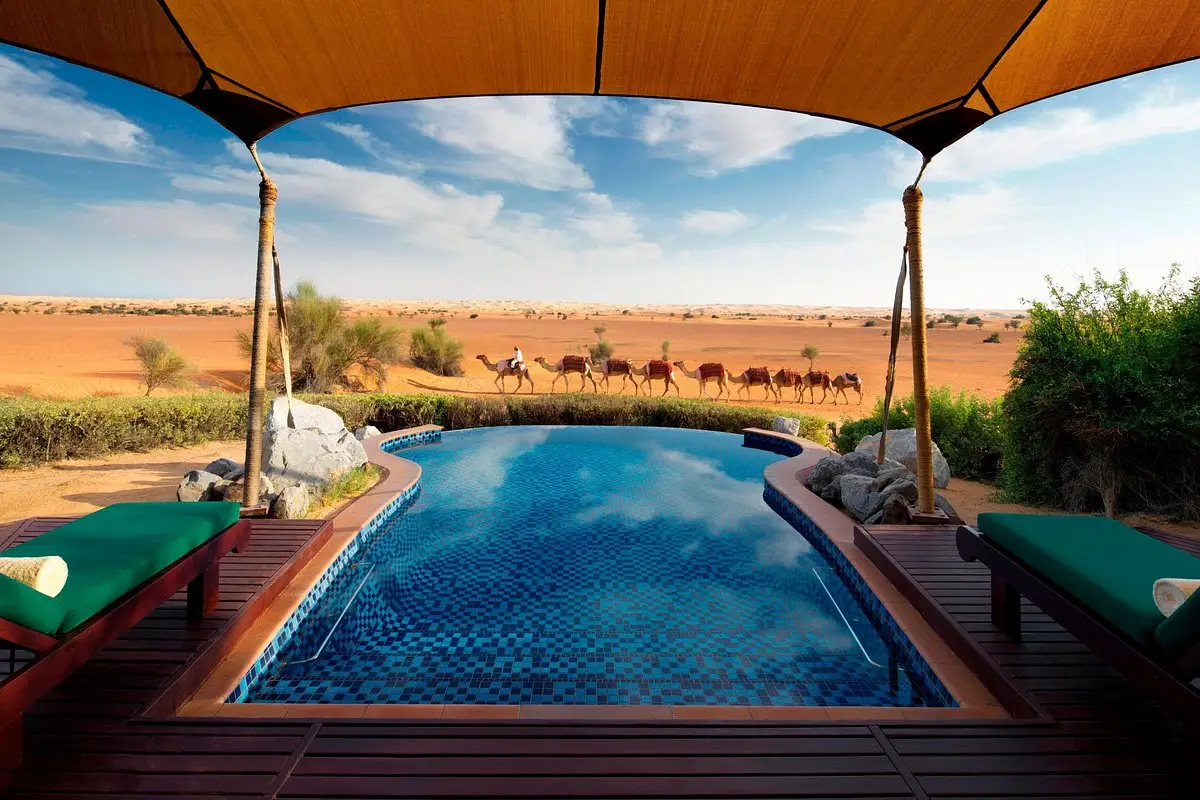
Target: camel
755, 376
810, 381
566, 366
658, 370
503, 368
847, 380
618, 366
789, 379
703, 374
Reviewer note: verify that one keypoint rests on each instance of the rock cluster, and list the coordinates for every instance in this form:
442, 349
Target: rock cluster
902, 447
297, 462
868, 491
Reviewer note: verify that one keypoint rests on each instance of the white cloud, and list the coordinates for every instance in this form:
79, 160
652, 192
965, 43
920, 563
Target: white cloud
357, 134
520, 140
1054, 136
600, 220
41, 113
717, 138
959, 215
714, 221
219, 180
174, 219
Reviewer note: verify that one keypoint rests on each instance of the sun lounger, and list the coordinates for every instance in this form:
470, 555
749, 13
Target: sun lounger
1096, 577
123, 562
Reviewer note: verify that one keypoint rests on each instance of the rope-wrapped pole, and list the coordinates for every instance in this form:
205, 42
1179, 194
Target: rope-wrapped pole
916, 284
267, 194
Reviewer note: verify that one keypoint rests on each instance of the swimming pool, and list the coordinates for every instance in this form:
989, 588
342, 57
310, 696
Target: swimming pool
583, 565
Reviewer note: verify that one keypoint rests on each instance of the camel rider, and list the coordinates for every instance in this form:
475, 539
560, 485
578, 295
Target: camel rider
518, 360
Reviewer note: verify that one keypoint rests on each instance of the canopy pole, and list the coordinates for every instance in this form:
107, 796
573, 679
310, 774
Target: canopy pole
267, 195
916, 283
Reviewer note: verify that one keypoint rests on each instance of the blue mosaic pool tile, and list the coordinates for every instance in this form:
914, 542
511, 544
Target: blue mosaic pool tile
284, 635
772, 444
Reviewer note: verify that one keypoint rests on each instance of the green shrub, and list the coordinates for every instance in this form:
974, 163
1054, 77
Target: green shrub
39, 431
325, 344
992, 338
1104, 406
967, 428
434, 350
162, 366
871, 323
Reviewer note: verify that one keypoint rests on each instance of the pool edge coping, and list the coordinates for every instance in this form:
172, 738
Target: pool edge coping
401, 476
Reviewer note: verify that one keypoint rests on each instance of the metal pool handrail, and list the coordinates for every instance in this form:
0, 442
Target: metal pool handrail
849, 627
336, 622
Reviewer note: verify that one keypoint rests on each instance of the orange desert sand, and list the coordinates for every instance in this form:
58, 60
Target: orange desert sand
64, 355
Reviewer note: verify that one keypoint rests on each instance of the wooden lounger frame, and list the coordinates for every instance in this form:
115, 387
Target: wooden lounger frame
1168, 681
57, 657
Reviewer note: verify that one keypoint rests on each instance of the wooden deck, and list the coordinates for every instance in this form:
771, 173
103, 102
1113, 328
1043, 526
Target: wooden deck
91, 737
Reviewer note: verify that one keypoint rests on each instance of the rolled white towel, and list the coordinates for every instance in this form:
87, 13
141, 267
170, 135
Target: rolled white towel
46, 574
1171, 593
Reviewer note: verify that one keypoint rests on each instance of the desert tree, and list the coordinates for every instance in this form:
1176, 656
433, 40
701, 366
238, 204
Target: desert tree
162, 366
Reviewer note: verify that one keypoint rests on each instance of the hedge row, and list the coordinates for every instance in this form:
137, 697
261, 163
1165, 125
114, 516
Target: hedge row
39, 431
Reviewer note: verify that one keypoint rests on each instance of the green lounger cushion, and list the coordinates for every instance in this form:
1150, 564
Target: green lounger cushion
110, 552
1104, 564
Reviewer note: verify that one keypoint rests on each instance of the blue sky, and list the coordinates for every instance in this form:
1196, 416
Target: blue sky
110, 189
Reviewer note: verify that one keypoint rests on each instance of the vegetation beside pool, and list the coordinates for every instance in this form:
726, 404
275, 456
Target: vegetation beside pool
39, 431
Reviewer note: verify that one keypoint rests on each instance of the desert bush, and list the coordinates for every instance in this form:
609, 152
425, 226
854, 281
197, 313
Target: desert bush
602, 349
968, 428
434, 350
810, 352
906, 330
666, 350
325, 345
992, 338
474, 316
162, 366
975, 320
1104, 406
871, 323
38, 431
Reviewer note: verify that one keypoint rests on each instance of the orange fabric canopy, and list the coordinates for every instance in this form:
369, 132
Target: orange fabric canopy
927, 71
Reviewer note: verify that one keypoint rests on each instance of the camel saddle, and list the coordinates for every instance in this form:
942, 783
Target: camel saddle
758, 375
852, 377
710, 371
789, 377
574, 363
658, 369
618, 366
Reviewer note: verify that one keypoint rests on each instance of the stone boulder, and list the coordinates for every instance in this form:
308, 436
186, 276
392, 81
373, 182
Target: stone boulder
902, 447
316, 451
199, 485
895, 510
227, 468
824, 472
857, 498
860, 463
788, 425
832, 493
307, 455
366, 432
306, 415
292, 503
